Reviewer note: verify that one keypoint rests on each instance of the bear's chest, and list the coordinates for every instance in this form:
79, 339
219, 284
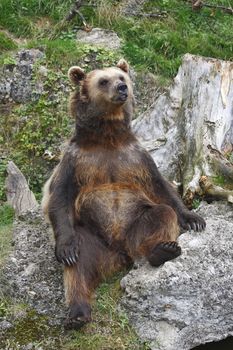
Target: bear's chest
100, 166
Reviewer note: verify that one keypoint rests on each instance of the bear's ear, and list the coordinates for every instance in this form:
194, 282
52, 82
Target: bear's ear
123, 64
76, 74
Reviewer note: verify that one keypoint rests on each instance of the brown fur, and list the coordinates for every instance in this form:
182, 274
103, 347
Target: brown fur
106, 200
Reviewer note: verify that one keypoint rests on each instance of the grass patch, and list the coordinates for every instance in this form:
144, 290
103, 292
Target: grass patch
6, 221
64, 52
110, 328
6, 43
149, 44
159, 44
20, 16
6, 215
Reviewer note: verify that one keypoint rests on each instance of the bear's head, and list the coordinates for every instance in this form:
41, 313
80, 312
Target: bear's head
106, 91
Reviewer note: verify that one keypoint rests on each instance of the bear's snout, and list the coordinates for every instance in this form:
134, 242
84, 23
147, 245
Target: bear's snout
122, 89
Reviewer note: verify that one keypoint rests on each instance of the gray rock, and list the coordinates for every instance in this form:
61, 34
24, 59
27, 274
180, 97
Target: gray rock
100, 37
4, 325
16, 78
132, 7
187, 301
32, 274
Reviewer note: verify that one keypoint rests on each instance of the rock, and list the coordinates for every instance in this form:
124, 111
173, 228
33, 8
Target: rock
187, 301
100, 37
16, 78
31, 273
132, 7
193, 118
4, 325
18, 193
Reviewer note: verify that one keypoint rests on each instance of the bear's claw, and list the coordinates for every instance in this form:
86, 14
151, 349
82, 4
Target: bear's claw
66, 252
191, 221
77, 323
79, 315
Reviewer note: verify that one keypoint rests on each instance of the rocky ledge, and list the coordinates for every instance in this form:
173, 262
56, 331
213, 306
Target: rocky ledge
187, 301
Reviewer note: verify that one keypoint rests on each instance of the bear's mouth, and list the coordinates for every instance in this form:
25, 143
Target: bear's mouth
122, 97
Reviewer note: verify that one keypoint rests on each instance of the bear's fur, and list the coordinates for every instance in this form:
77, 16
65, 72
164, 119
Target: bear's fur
106, 200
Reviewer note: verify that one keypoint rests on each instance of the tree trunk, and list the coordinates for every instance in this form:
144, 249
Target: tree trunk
193, 118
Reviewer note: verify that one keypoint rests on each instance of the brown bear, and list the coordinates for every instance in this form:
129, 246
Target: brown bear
106, 200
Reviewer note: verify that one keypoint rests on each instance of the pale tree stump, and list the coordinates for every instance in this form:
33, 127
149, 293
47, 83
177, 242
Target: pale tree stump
187, 128
18, 193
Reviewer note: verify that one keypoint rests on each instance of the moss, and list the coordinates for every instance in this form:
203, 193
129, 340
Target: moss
109, 330
31, 328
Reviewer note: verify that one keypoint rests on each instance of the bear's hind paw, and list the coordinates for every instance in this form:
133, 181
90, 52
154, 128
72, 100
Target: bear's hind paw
79, 315
163, 252
75, 323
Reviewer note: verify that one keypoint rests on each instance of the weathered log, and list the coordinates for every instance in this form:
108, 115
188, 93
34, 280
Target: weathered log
211, 192
220, 163
193, 117
18, 193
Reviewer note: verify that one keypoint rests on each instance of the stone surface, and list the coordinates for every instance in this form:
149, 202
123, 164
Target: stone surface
187, 301
193, 117
16, 78
31, 273
100, 37
4, 325
18, 193
131, 7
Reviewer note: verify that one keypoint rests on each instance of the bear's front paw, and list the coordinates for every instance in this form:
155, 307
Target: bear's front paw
192, 221
67, 250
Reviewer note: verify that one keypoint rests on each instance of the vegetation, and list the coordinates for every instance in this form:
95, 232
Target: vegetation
31, 131
6, 43
6, 220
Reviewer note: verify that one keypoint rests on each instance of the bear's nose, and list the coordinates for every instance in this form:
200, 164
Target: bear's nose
122, 88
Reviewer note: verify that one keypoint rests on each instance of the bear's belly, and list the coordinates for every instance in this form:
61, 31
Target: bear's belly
113, 167
110, 209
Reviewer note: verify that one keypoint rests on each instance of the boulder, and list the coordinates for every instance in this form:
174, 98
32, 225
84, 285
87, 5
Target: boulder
187, 301
131, 7
31, 274
17, 82
100, 37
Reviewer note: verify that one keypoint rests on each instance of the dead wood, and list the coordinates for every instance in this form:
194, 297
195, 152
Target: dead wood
18, 193
198, 4
213, 192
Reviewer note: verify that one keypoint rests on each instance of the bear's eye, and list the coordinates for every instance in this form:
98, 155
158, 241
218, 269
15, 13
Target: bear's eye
122, 78
103, 82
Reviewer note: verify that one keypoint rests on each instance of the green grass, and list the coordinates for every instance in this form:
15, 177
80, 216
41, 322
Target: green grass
20, 16
6, 220
159, 44
149, 44
110, 328
6, 43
